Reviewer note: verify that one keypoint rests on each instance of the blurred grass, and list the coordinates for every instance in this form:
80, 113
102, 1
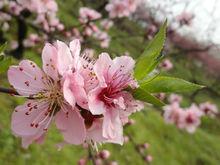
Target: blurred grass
169, 146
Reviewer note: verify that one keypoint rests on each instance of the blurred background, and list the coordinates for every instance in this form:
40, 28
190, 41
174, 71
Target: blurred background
191, 52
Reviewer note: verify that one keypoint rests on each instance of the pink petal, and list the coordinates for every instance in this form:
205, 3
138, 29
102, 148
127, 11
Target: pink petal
96, 106
112, 126
67, 93
26, 78
95, 131
76, 86
38, 138
71, 126
49, 56
75, 48
102, 67
24, 116
127, 62
65, 60
120, 102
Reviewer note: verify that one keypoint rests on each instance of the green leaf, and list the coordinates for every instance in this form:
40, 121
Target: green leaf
169, 84
4, 64
3, 47
2, 57
152, 54
152, 75
143, 95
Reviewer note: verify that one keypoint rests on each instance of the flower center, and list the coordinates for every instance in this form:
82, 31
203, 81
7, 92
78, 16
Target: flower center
51, 98
107, 95
189, 119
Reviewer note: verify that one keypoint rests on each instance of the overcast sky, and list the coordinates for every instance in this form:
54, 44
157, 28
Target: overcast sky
205, 25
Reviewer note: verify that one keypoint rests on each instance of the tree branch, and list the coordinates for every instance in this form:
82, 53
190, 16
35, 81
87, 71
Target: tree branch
8, 91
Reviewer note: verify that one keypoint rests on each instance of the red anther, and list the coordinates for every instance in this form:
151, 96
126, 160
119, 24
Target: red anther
27, 83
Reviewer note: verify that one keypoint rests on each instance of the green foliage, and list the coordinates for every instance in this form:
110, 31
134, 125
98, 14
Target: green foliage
169, 84
152, 54
4, 64
143, 95
2, 57
3, 47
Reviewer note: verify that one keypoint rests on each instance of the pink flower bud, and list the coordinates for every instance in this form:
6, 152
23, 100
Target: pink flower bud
98, 161
166, 65
146, 145
60, 27
82, 161
149, 158
104, 154
114, 163
131, 121
126, 139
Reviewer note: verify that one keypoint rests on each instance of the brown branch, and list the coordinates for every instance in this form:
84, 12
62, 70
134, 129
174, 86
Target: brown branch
8, 91
13, 92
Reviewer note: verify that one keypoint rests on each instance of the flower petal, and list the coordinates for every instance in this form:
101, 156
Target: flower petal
26, 78
71, 125
67, 93
25, 117
49, 57
101, 68
127, 62
112, 126
74, 87
95, 131
65, 60
75, 48
96, 106
38, 138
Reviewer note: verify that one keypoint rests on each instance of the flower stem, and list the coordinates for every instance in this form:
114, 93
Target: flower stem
91, 155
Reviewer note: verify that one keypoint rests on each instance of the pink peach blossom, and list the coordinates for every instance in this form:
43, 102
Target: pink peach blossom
209, 109
108, 98
14, 8
192, 118
121, 8
31, 120
106, 24
175, 98
166, 65
86, 14
161, 96
39, 6
185, 18
173, 114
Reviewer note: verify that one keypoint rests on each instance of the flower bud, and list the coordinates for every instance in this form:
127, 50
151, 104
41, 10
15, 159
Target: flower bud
104, 154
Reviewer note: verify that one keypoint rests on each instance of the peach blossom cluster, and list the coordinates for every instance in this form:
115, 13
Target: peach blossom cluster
86, 98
